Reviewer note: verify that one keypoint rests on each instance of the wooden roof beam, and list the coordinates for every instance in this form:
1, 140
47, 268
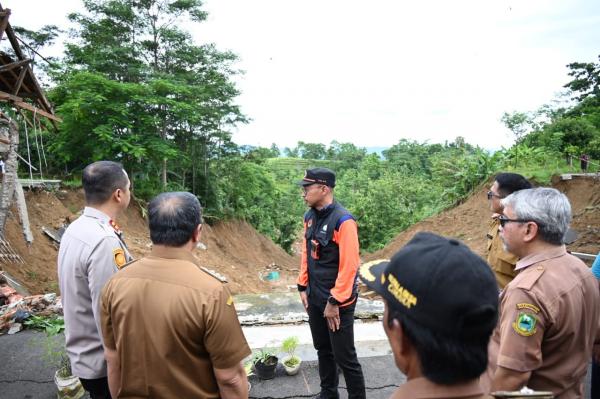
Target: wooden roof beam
19, 81
18, 101
13, 65
3, 21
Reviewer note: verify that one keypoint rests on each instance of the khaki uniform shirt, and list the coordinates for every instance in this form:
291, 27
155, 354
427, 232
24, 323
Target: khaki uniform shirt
548, 323
422, 388
89, 253
502, 262
171, 323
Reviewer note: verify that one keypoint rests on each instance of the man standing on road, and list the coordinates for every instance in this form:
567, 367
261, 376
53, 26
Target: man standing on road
549, 312
91, 251
441, 307
170, 329
501, 261
328, 283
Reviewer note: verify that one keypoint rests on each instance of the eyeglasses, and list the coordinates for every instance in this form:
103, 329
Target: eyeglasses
305, 189
490, 195
503, 220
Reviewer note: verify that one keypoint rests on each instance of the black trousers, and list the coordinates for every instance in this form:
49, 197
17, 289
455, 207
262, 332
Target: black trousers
98, 388
595, 380
336, 349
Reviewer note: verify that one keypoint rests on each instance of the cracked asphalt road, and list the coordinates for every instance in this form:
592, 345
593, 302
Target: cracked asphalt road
25, 373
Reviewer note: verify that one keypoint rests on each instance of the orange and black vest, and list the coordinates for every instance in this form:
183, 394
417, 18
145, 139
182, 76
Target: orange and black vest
323, 255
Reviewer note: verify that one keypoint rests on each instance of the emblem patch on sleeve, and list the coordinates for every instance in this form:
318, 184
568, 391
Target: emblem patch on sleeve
120, 259
525, 324
230, 300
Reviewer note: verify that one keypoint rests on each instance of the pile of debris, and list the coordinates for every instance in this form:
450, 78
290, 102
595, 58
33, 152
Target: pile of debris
15, 308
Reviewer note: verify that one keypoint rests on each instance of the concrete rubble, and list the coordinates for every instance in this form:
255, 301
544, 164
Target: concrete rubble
13, 305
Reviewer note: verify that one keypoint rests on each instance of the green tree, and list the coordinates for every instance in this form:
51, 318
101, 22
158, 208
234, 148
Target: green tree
184, 100
586, 80
312, 150
519, 124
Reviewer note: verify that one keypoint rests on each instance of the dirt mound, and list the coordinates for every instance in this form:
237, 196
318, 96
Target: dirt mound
469, 221
251, 262
233, 249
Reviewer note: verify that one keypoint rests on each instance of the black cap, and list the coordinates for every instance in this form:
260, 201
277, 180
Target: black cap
318, 176
439, 284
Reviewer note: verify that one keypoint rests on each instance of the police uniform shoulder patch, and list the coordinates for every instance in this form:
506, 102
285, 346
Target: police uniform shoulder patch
525, 324
230, 301
120, 259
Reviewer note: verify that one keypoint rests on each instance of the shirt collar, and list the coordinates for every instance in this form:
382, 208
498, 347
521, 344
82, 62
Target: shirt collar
95, 213
174, 253
422, 388
325, 210
538, 257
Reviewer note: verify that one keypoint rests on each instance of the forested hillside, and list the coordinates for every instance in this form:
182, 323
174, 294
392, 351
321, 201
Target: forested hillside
133, 86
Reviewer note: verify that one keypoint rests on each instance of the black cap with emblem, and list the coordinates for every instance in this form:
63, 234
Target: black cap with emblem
438, 283
318, 176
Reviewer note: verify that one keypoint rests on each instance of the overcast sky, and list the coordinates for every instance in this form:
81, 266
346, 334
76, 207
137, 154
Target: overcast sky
374, 72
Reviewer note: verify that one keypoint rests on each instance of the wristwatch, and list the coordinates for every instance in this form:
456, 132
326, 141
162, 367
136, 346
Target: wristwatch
332, 300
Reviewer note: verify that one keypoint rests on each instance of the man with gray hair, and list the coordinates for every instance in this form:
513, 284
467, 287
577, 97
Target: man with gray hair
170, 329
549, 312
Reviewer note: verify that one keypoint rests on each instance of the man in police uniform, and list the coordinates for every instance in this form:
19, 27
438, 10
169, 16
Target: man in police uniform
91, 251
328, 283
549, 312
501, 261
170, 329
441, 307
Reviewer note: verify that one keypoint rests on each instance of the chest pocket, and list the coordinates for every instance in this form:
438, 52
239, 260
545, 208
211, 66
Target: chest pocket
318, 237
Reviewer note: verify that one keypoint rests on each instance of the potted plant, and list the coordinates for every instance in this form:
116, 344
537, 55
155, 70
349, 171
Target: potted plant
291, 362
265, 363
69, 386
54, 355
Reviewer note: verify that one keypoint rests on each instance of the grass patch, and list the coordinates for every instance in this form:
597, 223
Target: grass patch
72, 184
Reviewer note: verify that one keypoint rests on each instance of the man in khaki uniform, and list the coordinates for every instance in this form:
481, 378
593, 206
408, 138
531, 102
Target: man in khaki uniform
441, 306
501, 261
549, 312
170, 329
91, 251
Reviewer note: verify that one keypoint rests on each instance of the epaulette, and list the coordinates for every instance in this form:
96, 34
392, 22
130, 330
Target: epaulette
129, 263
532, 277
214, 274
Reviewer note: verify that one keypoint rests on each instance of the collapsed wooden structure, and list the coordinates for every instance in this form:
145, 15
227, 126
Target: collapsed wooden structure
18, 84
20, 89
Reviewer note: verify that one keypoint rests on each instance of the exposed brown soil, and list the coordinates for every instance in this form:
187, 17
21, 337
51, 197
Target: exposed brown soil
469, 220
233, 249
237, 251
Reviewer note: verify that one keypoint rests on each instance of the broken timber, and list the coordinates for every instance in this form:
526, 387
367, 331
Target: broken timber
20, 88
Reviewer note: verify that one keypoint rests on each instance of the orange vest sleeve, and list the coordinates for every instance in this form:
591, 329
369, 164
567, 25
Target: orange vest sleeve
347, 239
303, 276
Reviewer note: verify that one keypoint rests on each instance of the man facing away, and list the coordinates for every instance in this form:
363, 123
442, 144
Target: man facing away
441, 306
501, 261
549, 312
170, 329
328, 283
91, 251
